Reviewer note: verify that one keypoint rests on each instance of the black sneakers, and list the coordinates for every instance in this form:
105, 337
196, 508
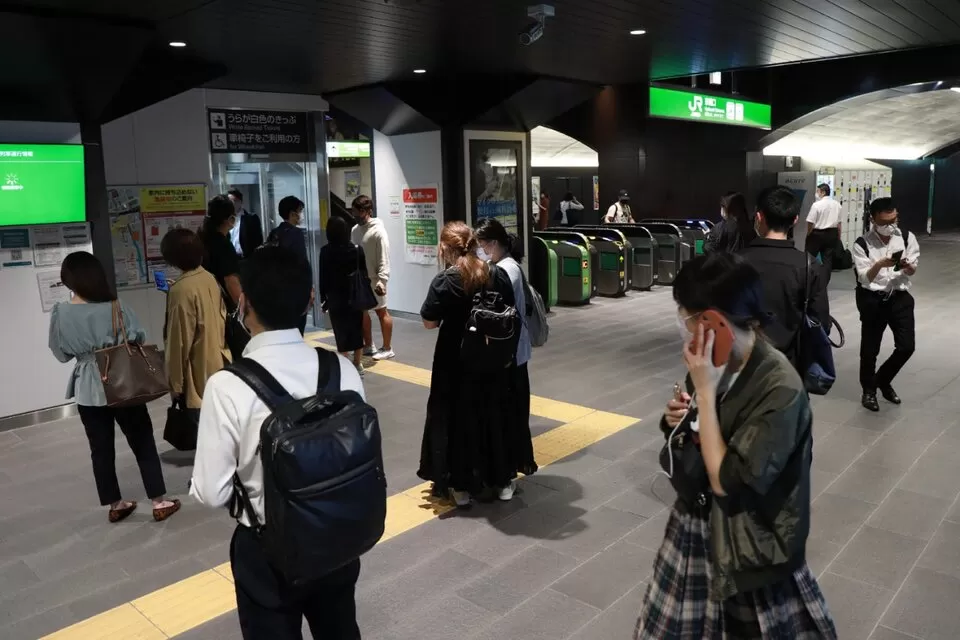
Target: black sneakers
869, 401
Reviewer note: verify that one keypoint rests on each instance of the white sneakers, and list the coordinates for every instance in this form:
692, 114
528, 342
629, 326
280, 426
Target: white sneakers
506, 494
384, 354
461, 498
370, 351
360, 370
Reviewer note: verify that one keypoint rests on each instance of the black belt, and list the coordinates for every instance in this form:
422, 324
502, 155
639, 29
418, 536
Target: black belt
884, 295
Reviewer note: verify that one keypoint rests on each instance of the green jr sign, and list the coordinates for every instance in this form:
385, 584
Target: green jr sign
689, 105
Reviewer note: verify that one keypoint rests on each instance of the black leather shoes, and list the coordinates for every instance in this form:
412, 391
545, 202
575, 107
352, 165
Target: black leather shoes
890, 395
869, 402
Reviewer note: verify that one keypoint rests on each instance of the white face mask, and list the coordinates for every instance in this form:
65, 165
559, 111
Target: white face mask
685, 335
483, 255
885, 230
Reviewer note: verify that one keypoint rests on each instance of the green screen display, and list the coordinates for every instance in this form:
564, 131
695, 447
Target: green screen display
41, 184
571, 267
609, 261
701, 107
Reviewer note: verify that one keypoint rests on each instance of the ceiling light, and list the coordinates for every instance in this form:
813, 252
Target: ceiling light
957, 89
638, 32
177, 44
419, 70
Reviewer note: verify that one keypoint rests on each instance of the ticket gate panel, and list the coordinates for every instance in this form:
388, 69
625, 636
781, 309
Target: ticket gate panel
646, 254
543, 267
574, 253
593, 257
621, 263
671, 250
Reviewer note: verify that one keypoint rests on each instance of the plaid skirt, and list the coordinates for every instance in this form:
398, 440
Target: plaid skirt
677, 605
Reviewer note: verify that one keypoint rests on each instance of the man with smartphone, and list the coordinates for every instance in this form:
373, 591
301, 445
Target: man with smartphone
884, 259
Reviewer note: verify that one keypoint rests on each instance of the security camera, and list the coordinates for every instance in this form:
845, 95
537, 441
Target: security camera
534, 30
531, 33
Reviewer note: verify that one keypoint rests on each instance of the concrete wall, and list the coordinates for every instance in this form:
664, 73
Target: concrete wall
414, 160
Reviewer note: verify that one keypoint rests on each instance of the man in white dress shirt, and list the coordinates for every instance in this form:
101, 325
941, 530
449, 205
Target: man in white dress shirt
823, 228
884, 258
276, 289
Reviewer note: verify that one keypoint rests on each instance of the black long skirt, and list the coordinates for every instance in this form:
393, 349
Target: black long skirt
347, 329
472, 437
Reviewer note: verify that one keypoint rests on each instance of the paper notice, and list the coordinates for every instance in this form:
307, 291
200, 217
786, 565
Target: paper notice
52, 290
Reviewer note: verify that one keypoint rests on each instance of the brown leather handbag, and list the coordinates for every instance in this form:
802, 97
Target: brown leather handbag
132, 374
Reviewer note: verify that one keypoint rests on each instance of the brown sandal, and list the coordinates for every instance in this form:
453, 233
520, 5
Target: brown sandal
116, 515
163, 513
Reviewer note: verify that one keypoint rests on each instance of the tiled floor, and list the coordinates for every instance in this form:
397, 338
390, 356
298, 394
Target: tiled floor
569, 557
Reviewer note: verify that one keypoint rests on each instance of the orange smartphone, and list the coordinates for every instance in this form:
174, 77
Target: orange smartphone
714, 321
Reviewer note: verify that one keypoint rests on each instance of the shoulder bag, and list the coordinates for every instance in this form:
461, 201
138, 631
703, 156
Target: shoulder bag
360, 296
132, 374
815, 351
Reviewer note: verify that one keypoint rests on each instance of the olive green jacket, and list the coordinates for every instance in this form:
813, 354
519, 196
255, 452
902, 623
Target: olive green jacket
758, 531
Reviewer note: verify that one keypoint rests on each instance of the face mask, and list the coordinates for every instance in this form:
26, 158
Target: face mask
483, 255
885, 230
723, 214
685, 335
756, 225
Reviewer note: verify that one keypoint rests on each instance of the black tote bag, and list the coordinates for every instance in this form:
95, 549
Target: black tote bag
360, 296
181, 427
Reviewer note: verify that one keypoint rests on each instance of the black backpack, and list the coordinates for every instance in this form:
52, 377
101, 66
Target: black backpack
492, 330
324, 488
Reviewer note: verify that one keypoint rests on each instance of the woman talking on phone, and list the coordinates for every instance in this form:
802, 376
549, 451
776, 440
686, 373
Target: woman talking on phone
732, 563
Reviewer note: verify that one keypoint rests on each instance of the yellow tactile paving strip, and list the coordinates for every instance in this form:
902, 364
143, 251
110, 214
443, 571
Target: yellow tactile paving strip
187, 604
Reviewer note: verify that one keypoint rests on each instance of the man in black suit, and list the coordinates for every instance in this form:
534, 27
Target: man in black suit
247, 235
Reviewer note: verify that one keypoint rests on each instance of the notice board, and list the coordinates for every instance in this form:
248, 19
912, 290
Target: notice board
140, 215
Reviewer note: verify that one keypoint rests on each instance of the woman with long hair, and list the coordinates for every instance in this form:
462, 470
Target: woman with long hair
469, 444
77, 329
732, 563
735, 229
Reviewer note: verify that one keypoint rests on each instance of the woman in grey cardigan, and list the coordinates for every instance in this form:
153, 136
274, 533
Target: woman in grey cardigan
77, 329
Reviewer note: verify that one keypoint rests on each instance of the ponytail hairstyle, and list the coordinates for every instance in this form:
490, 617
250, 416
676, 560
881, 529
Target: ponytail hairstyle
458, 246
490, 230
219, 210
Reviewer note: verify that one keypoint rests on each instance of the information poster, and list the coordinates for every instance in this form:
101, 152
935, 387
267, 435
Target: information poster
421, 223
257, 131
139, 218
52, 290
15, 248
48, 246
351, 185
496, 183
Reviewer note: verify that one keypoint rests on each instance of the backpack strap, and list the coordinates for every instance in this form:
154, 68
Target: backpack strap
328, 371
261, 381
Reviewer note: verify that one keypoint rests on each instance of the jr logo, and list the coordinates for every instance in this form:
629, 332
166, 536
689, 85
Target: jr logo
696, 107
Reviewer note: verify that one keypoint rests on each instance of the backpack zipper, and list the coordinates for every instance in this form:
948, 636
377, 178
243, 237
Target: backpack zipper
339, 480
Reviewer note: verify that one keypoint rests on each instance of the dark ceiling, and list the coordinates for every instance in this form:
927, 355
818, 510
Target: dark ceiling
113, 53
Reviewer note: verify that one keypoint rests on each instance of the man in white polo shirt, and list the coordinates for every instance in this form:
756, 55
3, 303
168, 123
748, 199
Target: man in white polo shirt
823, 228
885, 258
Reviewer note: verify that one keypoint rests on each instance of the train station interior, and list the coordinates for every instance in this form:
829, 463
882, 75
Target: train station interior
121, 121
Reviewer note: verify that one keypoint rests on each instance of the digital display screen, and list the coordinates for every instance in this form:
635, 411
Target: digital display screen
344, 149
571, 267
680, 104
609, 261
41, 184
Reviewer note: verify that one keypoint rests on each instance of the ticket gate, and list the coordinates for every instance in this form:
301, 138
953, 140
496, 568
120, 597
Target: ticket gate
605, 265
671, 250
573, 281
646, 254
623, 263
694, 232
593, 256
689, 237
543, 265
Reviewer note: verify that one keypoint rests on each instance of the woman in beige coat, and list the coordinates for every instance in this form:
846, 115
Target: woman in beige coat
195, 345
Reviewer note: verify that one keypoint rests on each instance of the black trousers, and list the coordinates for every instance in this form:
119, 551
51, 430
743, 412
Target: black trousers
876, 314
824, 243
136, 426
271, 609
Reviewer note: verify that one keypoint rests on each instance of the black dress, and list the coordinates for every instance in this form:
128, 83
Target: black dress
471, 439
337, 262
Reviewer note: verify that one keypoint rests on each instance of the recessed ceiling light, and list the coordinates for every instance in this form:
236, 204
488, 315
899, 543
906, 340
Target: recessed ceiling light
178, 44
419, 70
638, 32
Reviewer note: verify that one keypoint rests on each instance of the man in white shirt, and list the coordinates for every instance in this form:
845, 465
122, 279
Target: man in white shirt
884, 258
372, 236
619, 212
276, 288
823, 228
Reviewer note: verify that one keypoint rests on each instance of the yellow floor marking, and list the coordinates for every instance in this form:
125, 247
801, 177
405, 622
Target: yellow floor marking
187, 604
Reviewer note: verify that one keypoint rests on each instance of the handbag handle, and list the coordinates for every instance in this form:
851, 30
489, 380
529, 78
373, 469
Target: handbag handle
118, 320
